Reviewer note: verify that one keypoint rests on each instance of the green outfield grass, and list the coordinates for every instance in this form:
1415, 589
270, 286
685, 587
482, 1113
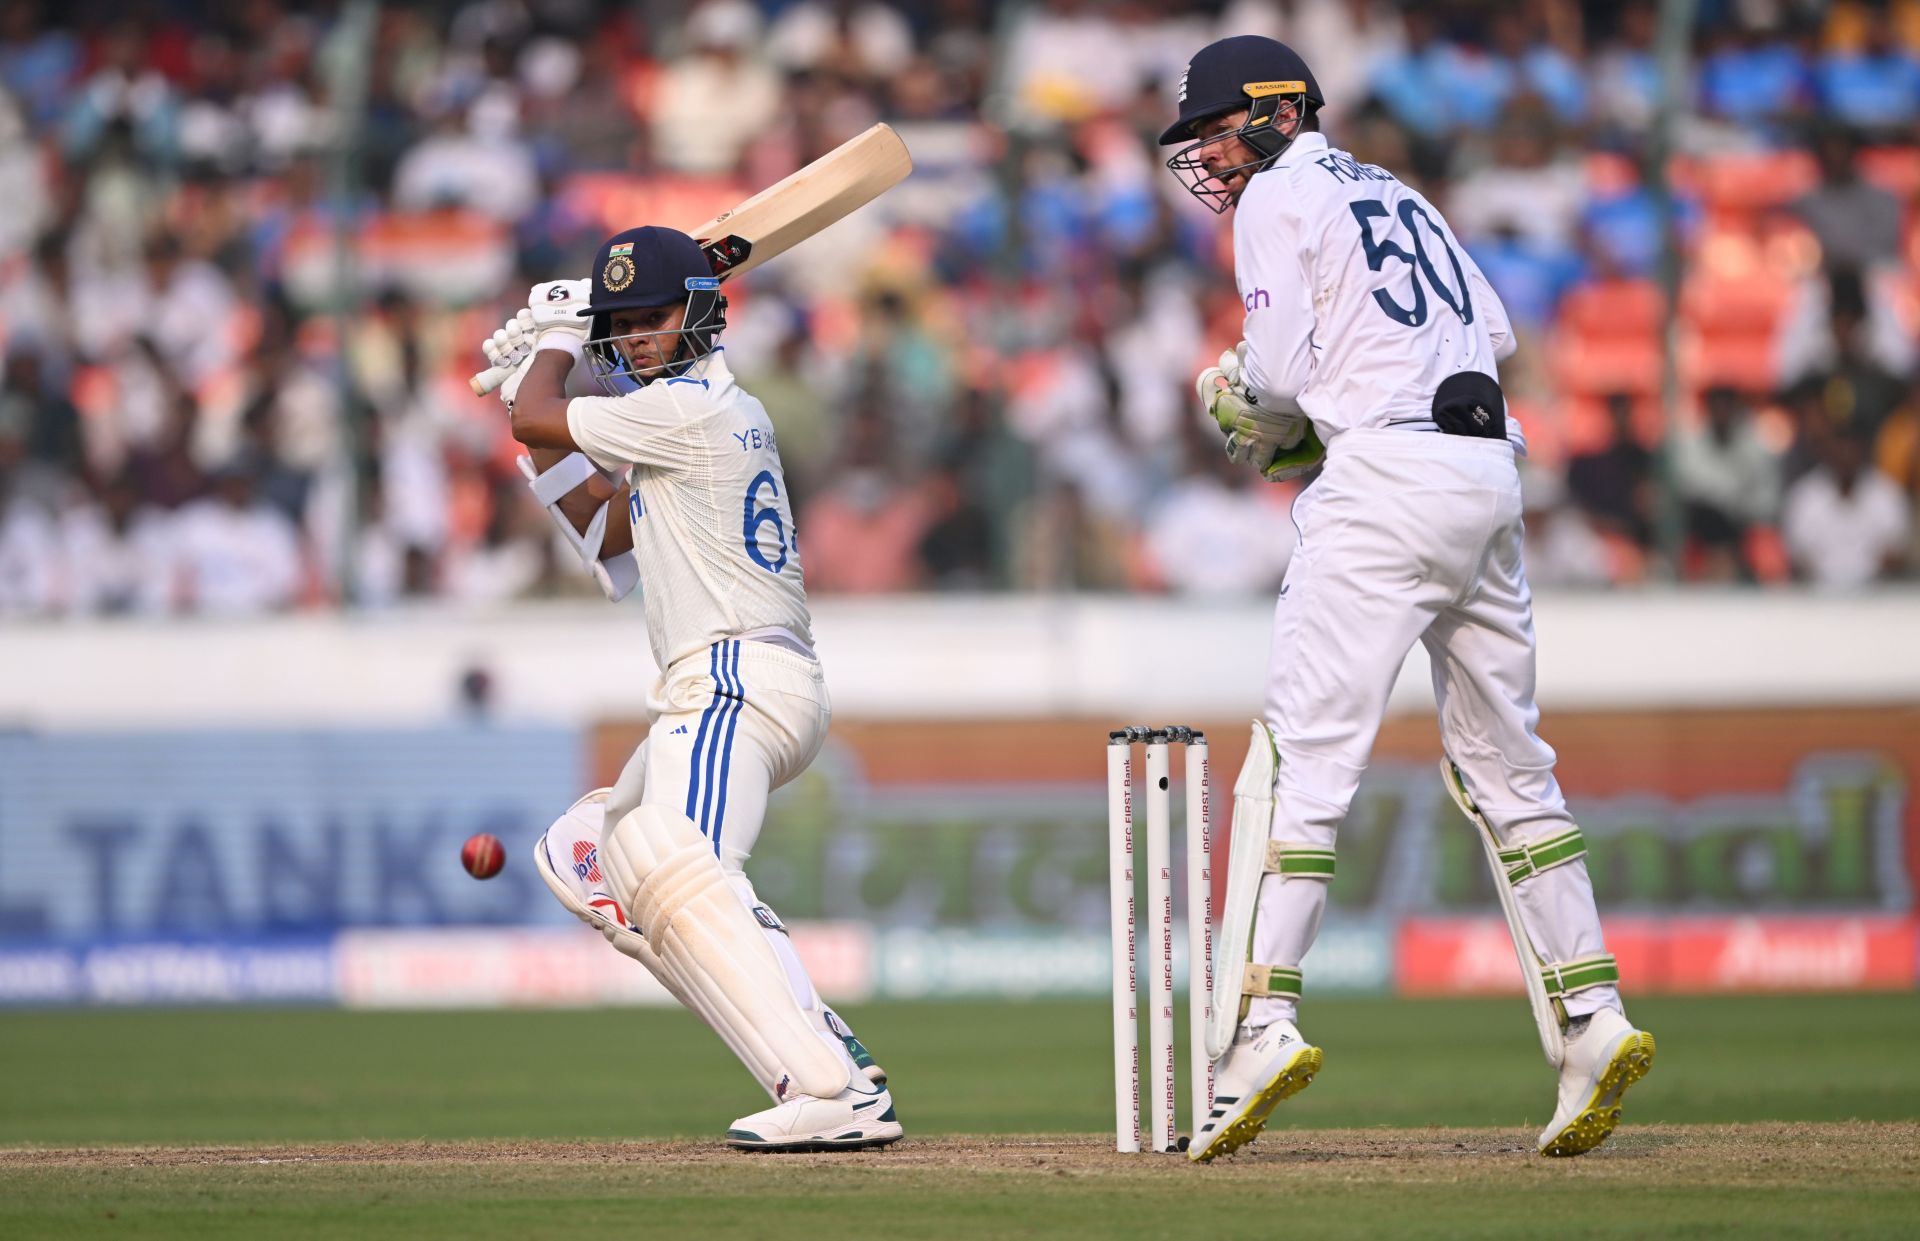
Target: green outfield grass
527, 1081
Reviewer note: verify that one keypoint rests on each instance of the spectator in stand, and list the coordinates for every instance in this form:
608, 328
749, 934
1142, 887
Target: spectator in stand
1613, 484
863, 534
1875, 87
238, 556
28, 541
1562, 547
124, 94
1528, 189
1856, 222
117, 554
25, 195
1624, 80
692, 131
458, 164
1845, 523
1897, 452
1848, 360
1527, 64
1728, 482
34, 300
1214, 534
845, 36
190, 309
50, 425
1753, 76
37, 64
1431, 88
1531, 277
506, 562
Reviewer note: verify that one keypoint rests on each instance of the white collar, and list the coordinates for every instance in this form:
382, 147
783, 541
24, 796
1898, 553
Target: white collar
1311, 143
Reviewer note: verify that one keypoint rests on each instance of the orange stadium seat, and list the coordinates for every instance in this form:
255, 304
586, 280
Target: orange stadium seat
1596, 366
1728, 305
1893, 168
1612, 309
1752, 183
1743, 361
1585, 426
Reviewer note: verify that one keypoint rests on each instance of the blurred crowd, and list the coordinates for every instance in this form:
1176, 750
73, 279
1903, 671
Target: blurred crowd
248, 248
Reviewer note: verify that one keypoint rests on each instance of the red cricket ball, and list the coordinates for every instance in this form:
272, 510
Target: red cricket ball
483, 855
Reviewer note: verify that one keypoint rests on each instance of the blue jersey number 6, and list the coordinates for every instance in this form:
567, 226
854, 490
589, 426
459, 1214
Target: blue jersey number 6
758, 517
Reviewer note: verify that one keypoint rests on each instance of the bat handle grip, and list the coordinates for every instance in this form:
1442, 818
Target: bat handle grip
488, 380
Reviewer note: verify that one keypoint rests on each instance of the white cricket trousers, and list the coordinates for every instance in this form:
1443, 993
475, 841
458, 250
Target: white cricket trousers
728, 726
1412, 536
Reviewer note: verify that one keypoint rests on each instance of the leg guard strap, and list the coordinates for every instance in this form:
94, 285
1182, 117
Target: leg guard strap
1299, 860
1563, 978
1525, 861
1264, 980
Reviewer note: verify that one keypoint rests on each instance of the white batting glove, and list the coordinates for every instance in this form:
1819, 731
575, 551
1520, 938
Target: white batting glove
511, 388
554, 307
511, 344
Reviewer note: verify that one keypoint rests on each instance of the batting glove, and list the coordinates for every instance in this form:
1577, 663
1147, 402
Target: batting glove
554, 307
511, 344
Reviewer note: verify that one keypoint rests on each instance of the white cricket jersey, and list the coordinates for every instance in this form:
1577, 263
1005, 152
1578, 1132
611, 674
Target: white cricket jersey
1359, 298
712, 524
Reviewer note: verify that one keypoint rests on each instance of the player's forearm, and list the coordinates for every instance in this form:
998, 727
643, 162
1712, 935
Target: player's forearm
540, 406
583, 503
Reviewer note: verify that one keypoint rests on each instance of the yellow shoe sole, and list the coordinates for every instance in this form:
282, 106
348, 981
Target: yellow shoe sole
1597, 1119
1297, 1076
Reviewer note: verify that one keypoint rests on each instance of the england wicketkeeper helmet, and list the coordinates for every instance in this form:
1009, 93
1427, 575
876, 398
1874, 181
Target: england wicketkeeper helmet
646, 267
1261, 75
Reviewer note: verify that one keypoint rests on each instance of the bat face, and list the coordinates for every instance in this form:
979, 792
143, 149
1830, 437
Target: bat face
786, 213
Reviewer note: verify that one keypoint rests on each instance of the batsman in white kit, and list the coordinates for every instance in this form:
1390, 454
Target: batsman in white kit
1371, 347
671, 483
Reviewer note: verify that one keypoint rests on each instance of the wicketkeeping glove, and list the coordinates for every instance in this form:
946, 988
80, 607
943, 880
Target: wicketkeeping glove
1295, 461
1255, 434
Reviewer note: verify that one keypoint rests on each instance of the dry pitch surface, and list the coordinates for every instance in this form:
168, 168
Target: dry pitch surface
1839, 1179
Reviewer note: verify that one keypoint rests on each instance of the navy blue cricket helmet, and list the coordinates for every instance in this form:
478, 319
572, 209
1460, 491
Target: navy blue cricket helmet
652, 266
1263, 76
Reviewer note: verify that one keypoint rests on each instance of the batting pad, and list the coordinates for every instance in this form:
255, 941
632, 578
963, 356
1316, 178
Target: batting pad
676, 892
588, 812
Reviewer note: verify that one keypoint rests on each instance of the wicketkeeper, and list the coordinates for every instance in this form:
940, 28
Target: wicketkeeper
1370, 355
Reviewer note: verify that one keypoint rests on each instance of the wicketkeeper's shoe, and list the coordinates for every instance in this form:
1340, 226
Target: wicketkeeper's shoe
1257, 1072
859, 1117
1603, 1059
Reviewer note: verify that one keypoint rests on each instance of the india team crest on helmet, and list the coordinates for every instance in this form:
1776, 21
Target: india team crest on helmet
617, 274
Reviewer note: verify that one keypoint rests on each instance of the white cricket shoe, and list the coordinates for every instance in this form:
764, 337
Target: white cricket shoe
1256, 1074
854, 1119
1604, 1059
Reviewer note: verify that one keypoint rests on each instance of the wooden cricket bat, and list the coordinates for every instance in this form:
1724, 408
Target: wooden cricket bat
788, 212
